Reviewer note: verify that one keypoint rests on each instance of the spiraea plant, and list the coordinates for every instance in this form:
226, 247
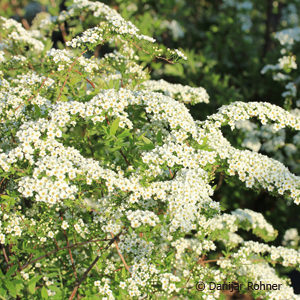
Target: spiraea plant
106, 180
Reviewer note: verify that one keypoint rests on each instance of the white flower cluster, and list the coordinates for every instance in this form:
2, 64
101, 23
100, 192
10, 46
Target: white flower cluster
284, 62
12, 225
143, 273
64, 58
287, 257
168, 282
239, 218
2, 56
253, 167
256, 220
291, 237
262, 273
198, 247
19, 34
114, 23
119, 61
264, 111
14, 94
94, 35
158, 204
142, 217
274, 142
288, 37
221, 222
287, 62
136, 246
179, 92
104, 288
180, 54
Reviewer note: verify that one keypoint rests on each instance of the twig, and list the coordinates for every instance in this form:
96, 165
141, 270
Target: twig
70, 253
171, 174
5, 255
25, 24
125, 158
90, 82
157, 57
63, 31
69, 70
221, 178
91, 266
120, 254
60, 249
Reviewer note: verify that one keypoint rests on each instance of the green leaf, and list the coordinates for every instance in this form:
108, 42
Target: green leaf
44, 293
159, 138
124, 134
11, 288
114, 126
11, 271
3, 293
146, 140
123, 273
32, 283
6, 197
31, 288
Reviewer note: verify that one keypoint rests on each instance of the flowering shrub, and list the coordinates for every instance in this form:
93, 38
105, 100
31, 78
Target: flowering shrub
106, 180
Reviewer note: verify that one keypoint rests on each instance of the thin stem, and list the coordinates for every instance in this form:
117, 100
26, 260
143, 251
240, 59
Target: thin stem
69, 70
60, 249
90, 82
120, 254
5, 255
91, 266
70, 253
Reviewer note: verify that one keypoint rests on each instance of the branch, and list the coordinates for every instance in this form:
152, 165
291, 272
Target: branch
91, 266
5, 255
221, 178
157, 57
69, 70
70, 253
60, 249
90, 82
120, 254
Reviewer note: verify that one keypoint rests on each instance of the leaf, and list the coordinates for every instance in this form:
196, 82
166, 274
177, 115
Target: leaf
114, 126
11, 288
159, 138
31, 288
2, 293
124, 134
32, 283
148, 143
148, 147
123, 273
11, 271
44, 293
6, 197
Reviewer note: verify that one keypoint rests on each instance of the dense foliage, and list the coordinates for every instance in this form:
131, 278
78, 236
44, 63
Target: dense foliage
129, 168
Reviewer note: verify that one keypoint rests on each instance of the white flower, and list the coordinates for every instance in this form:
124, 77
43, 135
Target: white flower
64, 225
